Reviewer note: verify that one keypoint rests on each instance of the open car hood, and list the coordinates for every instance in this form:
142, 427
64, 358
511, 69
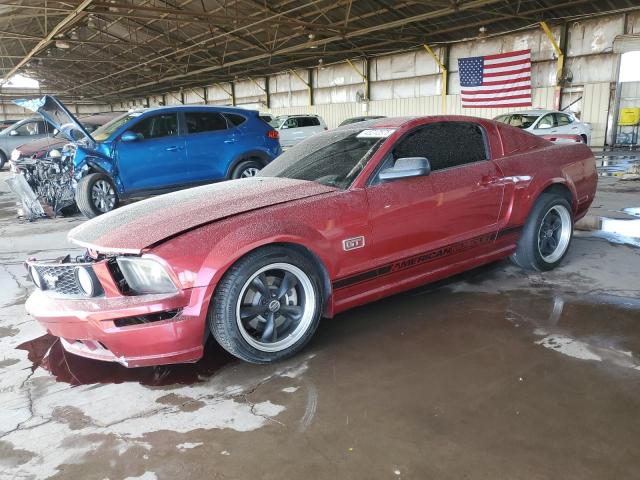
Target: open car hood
132, 228
57, 115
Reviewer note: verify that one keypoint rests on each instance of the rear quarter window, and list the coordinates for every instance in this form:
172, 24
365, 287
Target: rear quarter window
237, 120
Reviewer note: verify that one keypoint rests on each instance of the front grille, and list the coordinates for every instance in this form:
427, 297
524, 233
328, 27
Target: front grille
60, 278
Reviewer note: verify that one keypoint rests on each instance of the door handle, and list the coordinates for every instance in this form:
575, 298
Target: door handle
487, 180
230, 140
173, 148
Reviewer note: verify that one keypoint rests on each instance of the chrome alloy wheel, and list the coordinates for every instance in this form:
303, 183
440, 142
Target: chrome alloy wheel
103, 196
249, 172
275, 307
554, 234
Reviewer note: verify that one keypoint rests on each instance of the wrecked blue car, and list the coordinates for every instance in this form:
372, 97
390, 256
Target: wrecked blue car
157, 150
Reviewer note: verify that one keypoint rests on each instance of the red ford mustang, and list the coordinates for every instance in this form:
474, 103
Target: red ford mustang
347, 217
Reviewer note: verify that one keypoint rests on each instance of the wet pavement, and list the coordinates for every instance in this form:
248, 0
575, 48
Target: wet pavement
493, 374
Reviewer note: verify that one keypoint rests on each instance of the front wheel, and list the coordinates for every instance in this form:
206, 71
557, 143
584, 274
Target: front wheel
547, 234
267, 306
96, 194
3, 159
246, 169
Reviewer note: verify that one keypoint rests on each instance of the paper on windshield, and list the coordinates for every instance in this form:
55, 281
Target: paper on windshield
376, 133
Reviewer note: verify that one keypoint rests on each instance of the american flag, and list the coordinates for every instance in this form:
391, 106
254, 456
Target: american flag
501, 80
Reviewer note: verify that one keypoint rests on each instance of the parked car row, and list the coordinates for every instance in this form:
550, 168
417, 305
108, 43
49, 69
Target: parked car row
115, 157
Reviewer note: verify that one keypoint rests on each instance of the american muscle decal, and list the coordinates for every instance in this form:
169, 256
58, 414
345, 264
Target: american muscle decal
422, 258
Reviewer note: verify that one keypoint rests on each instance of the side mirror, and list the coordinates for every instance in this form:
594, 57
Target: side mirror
283, 126
55, 132
406, 168
14, 133
130, 136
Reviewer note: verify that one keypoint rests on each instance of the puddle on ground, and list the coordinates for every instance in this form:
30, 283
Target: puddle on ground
617, 165
615, 230
47, 352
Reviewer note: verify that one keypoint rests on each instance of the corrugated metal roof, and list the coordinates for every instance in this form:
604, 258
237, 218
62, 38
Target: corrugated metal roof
119, 48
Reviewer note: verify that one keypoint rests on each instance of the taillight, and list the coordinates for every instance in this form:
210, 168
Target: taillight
273, 134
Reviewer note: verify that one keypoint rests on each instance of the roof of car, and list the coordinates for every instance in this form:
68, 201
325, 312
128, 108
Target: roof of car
300, 115
535, 111
397, 122
218, 108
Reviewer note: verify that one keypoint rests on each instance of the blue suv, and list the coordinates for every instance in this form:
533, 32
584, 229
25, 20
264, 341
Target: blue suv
157, 150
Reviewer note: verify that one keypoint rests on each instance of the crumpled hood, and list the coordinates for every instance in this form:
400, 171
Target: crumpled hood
57, 115
134, 227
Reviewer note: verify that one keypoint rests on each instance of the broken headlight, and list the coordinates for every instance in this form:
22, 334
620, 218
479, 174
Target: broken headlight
144, 275
15, 155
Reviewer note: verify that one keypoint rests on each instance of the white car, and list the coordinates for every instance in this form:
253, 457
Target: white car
295, 128
547, 122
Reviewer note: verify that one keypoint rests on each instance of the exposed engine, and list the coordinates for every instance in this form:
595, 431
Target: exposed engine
51, 180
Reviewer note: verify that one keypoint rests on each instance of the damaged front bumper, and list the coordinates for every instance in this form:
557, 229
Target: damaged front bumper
133, 330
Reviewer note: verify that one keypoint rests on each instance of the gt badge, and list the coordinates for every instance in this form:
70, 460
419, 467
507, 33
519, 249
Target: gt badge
353, 243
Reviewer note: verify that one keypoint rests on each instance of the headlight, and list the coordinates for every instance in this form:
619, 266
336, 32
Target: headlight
86, 281
55, 153
15, 155
144, 275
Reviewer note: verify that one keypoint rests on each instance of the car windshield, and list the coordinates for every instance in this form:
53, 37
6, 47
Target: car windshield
334, 158
520, 120
102, 133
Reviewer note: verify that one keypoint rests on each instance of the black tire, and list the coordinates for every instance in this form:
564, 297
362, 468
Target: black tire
237, 335
86, 201
246, 168
3, 159
535, 250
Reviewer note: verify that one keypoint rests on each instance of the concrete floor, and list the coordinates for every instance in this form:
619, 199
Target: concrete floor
495, 374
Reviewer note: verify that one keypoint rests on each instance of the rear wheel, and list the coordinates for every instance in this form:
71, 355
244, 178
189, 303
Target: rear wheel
246, 169
547, 234
267, 306
96, 194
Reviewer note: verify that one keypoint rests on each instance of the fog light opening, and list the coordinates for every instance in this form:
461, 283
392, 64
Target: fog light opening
86, 281
36, 278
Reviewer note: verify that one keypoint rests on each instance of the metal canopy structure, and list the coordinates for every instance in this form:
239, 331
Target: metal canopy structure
110, 50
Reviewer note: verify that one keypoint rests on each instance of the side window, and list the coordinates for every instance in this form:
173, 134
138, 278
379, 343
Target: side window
157, 126
562, 119
444, 144
503, 119
547, 121
27, 129
204, 122
239, 119
292, 123
308, 122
